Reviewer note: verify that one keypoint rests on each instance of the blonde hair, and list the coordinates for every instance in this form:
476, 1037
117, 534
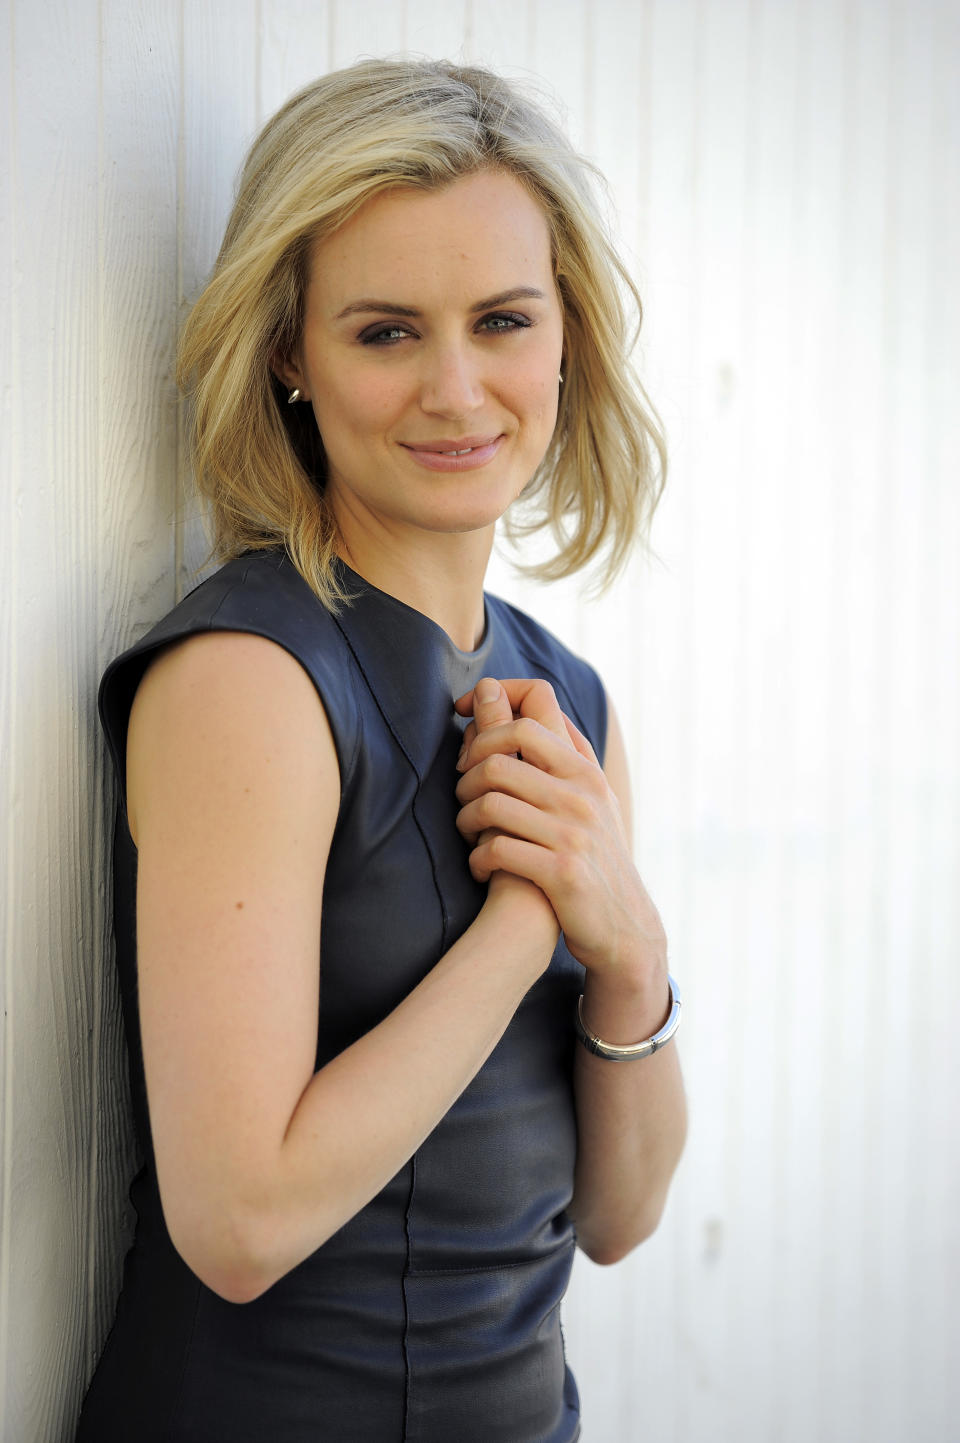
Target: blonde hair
352, 135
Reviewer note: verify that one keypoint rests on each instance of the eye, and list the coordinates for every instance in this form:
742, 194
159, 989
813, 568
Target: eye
504, 321
383, 335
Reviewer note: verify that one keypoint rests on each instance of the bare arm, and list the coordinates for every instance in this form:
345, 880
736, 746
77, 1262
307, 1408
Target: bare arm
631, 1116
538, 805
233, 788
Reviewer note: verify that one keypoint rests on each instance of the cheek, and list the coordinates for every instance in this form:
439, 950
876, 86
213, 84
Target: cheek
354, 403
537, 400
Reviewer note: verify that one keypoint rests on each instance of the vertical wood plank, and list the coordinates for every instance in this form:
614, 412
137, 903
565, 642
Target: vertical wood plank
436, 28
137, 425
935, 1185
498, 34
786, 175
220, 110
294, 48
52, 868
10, 444
359, 31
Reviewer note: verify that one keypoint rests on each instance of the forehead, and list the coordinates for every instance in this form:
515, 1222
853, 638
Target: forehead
481, 234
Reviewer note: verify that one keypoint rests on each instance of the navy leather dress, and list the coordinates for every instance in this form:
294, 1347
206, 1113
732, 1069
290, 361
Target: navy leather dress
433, 1315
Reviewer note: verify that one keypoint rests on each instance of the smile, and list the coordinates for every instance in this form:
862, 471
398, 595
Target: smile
454, 455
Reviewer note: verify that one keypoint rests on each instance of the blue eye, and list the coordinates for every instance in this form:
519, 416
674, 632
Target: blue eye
504, 321
387, 335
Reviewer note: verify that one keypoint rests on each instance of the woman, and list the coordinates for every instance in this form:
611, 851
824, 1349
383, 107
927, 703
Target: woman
370, 1147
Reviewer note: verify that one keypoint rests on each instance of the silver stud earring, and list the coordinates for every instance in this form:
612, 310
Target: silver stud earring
293, 396
561, 378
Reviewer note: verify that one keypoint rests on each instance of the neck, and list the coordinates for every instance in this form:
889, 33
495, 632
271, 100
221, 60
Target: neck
440, 576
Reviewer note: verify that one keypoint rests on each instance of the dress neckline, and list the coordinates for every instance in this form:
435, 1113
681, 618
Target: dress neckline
411, 666
420, 617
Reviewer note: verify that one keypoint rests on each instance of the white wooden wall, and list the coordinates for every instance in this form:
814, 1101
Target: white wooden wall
786, 177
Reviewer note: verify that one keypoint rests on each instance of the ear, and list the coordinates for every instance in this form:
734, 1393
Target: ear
290, 373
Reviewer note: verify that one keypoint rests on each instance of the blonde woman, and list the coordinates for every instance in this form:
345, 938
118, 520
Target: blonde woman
373, 882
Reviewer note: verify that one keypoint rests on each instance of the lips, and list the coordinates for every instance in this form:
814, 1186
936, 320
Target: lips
462, 453
453, 447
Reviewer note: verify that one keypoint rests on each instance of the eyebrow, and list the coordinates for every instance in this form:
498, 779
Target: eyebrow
391, 308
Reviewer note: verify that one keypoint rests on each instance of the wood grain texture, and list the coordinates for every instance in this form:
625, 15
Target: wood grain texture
294, 49
136, 502
784, 176
53, 608
219, 119
437, 28
358, 31
9, 790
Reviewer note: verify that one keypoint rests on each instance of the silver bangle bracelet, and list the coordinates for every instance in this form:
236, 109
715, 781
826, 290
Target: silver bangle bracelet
637, 1049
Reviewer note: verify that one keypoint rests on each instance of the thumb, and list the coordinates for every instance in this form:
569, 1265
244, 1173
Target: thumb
491, 705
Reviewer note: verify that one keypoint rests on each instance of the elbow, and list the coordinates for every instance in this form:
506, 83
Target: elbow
606, 1245
235, 1285
229, 1255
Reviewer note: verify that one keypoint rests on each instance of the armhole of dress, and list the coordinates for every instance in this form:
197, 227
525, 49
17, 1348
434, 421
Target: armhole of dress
122, 681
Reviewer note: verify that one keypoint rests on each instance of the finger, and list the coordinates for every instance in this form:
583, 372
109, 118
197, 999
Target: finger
513, 777
528, 696
501, 853
535, 697
534, 743
490, 707
580, 741
497, 812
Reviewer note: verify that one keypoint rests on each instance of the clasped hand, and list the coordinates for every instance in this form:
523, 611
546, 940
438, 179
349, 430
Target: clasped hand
536, 803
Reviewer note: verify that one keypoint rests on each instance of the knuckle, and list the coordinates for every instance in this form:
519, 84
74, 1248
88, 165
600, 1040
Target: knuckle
543, 690
569, 871
486, 811
582, 808
495, 806
599, 785
527, 731
496, 767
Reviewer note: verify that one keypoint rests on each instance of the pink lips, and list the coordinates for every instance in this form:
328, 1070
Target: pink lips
464, 454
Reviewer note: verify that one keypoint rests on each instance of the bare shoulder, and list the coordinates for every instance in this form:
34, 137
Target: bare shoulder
220, 713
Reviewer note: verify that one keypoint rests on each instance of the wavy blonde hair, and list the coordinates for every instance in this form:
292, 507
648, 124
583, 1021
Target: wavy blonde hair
352, 135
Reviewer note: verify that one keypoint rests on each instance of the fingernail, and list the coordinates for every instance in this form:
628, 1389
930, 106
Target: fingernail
460, 758
486, 690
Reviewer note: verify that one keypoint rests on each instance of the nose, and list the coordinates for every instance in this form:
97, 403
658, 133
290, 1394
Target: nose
451, 383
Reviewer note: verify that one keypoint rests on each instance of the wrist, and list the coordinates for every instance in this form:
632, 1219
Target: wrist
622, 1007
632, 1051
522, 916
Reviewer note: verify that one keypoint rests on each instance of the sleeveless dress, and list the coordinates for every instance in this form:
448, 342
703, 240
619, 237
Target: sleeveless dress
433, 1315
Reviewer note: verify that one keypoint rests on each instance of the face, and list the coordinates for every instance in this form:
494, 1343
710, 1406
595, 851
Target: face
432, 342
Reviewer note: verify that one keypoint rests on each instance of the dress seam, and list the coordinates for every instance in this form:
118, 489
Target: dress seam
407, 1381
175, 1412
384, 712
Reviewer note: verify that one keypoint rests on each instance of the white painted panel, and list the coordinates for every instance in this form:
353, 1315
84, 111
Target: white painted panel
9, 820
136, 501
51, 737
294, 48
785, 175
220, 116
359, 30
436, 28
499, 34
